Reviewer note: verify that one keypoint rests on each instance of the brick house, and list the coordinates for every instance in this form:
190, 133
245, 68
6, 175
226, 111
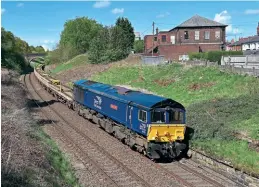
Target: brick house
194, 35
244, 44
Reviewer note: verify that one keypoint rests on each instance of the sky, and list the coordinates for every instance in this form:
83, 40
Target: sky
40, 23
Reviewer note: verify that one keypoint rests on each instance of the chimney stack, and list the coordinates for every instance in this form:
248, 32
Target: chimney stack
157, 30
258, 29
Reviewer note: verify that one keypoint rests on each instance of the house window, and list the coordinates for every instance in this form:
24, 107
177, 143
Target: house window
217, 34
207, 35
142, 116
155, 38
186, 35
197, 35
163, 38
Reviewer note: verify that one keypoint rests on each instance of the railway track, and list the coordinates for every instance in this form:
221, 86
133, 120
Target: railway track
192, 174
108, 166
186, 175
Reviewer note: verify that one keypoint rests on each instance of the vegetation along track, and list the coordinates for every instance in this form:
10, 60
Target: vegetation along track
108, 166
186, 175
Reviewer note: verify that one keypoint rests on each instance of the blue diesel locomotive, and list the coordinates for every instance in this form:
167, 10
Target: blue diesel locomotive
148, 123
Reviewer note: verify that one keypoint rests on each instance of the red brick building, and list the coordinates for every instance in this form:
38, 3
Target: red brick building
194, 35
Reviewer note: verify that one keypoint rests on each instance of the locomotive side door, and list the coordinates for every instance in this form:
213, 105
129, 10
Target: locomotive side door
130, 117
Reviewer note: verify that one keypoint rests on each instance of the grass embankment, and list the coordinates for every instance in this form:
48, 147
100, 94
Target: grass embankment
29, 156
218, 106
74, 62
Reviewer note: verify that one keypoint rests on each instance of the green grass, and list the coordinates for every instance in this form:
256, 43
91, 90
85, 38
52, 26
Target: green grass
218, 104
250, 125
74, 62
224, 85
237, 152
58, 160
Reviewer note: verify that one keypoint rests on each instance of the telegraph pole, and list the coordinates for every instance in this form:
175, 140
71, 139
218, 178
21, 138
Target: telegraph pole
153, 24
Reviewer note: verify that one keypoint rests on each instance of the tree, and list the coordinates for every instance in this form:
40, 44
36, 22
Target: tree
7, 40
39, 49
125, 24
139, 46
21, 46
118, 44
12, 49
99, 47
78, 34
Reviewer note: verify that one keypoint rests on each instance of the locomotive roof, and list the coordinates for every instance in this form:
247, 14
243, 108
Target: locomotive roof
126, 95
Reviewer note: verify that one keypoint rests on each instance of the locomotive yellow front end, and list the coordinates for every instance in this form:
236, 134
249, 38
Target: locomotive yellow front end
166, 134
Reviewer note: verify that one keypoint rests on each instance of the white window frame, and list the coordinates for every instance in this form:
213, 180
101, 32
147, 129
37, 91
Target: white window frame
139, 115
208, 35
197, 35
217, 33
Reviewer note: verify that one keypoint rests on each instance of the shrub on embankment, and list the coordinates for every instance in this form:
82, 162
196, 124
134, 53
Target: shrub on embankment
218, 105
213, 56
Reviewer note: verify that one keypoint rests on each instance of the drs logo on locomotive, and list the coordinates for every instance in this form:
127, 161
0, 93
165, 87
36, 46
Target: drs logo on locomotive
143, 127
98, 102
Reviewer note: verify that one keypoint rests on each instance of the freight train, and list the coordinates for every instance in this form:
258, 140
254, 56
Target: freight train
150, 124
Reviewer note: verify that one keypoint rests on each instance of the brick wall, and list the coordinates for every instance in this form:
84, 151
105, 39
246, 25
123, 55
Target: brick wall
173, 51
148, 42
179, 36
184, 46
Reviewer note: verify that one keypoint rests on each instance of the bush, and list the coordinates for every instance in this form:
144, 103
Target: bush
139, 46
216, 119
213, 56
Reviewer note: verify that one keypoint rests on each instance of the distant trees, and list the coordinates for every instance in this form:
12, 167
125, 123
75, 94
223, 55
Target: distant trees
139, 46
77, 35
113, 43
13, 49
126, 26
102, 43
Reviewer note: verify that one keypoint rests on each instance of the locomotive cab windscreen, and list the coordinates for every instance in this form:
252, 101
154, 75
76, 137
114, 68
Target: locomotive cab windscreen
167, 116
166, 124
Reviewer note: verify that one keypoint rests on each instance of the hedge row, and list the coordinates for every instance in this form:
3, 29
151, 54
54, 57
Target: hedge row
213, 56
217, 119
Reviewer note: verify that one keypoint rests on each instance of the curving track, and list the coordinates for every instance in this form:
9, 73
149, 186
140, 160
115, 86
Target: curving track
107, 166
114, 171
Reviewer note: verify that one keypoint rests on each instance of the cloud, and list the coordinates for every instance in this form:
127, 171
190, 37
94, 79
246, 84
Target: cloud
163, 15
232, 30
225, 18
20, 5
252, 11
2, 11
118, 11
48, 41
222, 17
47, 47
102, 4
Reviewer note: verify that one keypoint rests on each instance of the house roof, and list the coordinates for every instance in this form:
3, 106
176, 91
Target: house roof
246, 41
237, 43
252, 40
198, 21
